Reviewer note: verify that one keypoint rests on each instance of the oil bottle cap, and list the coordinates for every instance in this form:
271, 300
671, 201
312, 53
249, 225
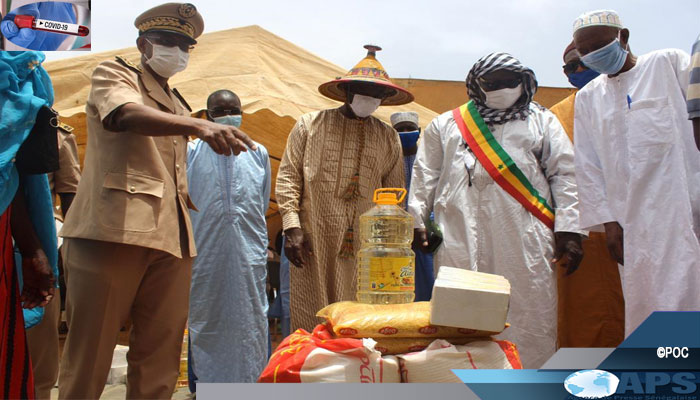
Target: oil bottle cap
389, 195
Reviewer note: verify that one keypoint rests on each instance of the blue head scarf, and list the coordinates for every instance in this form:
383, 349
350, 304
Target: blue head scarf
25, 87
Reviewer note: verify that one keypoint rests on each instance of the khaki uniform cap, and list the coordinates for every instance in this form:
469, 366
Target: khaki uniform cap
180, 18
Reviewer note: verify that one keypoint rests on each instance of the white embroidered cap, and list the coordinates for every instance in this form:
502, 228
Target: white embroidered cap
407, 116
598, 18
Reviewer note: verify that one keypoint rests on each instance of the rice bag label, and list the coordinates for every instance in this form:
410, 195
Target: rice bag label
388, 330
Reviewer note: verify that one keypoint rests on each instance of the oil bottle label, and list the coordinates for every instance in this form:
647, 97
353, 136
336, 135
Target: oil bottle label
391, 274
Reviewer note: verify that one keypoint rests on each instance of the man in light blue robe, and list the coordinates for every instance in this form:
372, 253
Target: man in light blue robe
406, 124
228, 326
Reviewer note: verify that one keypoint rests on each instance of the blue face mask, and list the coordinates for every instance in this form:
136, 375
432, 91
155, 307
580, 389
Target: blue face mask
233, 120
606, 60
409, 139
580, 79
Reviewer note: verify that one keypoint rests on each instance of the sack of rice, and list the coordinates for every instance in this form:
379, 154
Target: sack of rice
318, 357
359, 320
436, 362
389, 346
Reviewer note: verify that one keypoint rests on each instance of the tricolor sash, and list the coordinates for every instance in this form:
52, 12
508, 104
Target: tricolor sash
498, 163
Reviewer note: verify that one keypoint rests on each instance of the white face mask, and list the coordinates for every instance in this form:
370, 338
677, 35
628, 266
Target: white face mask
167, 61
364, 106
503, 98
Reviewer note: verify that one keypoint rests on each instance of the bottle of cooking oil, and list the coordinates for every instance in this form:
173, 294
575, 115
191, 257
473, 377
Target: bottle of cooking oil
386, 263
182, 379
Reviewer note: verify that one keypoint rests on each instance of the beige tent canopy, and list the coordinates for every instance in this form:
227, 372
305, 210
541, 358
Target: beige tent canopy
276, 80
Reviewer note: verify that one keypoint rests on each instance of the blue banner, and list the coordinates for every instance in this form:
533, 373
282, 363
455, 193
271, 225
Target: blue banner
658, 361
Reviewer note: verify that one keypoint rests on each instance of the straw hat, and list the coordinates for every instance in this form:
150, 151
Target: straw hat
367, 70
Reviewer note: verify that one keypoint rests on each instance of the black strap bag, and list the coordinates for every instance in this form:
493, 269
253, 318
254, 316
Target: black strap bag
39, 152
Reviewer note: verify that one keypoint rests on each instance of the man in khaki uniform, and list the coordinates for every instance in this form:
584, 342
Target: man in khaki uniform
43, 337
128, 244
64, 182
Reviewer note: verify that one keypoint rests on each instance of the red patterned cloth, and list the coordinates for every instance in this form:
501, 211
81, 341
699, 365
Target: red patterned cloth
16, 381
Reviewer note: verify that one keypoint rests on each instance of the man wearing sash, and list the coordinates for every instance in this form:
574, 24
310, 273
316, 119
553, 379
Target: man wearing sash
499, 174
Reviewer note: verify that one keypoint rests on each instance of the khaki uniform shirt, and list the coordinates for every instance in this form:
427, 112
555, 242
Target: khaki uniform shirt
134, 187
66, 179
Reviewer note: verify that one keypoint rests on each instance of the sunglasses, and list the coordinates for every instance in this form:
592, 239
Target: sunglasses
572, 66
168, 42
499, 84
219, 112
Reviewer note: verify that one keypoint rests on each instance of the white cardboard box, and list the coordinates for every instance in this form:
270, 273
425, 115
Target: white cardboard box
468, 299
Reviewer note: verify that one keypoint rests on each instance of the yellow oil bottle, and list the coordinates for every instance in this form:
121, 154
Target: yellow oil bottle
182, 379
385, 262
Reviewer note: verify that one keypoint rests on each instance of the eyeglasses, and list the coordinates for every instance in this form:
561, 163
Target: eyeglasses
572, 66
169, 42
499, 84
219, 112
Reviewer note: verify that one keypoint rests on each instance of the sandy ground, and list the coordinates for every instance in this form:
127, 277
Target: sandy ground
114, 392
118, 392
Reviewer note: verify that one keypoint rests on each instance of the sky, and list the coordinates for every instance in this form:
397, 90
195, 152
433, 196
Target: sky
436, 39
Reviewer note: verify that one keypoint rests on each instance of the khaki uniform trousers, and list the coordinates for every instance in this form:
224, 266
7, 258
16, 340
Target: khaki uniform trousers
110, 282
43, 349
